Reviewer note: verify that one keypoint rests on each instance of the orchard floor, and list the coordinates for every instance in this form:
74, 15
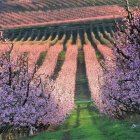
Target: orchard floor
85, 123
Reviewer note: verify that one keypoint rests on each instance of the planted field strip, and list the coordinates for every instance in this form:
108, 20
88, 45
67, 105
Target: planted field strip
105, 51
31, 5
70, 15
49, 64
93, 70
33, 51
60, 61
65, 82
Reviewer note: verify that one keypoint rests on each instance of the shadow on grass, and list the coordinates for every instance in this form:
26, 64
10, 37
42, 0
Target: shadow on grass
114, 129
77, 116
59, 64
41, 58
67, 132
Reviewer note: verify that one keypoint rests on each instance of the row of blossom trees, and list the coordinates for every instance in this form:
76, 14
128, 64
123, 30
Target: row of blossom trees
65, 82
24, 99
28, 97
50, 62
115, 85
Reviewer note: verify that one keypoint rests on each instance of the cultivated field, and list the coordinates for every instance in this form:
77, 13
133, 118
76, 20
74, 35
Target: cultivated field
69, 41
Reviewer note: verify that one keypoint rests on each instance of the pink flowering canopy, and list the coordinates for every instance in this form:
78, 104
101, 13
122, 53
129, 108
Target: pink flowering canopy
24, 99
120, 82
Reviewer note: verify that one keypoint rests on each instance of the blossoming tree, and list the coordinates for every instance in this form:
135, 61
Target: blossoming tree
25, 101
120, 83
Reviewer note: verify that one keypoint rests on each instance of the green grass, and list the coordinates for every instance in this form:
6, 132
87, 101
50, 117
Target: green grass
82, 91
99, 56
59, 64
62, 55
85, 123
41, 58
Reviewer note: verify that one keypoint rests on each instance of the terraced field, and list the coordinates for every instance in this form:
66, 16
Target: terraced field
30, 5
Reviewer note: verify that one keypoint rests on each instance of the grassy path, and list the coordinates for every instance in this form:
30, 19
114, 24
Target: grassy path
79, 126
82, 91
85, 123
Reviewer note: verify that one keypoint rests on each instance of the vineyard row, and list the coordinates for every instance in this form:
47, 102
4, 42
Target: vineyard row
30, 5
51, 17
